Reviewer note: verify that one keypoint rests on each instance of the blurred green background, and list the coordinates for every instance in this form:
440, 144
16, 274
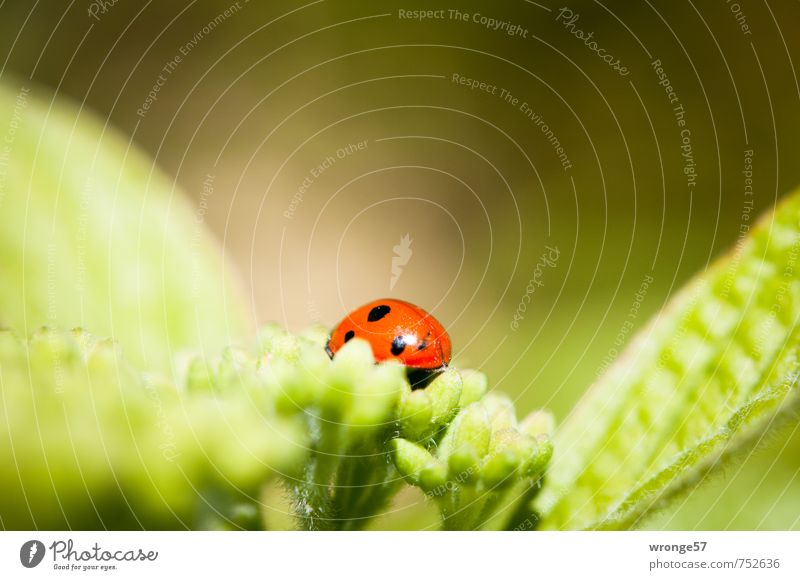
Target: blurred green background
258, 109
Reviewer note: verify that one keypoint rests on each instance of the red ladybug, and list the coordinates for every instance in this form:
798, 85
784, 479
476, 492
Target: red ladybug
396, 330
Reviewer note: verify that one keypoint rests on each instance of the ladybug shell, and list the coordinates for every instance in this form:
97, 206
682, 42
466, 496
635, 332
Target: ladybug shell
396, 330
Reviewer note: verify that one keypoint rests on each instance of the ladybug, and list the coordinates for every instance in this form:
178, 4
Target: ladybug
397, 330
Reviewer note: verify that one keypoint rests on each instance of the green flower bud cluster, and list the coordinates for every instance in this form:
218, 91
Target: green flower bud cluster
486, 468
87, 443
366, 422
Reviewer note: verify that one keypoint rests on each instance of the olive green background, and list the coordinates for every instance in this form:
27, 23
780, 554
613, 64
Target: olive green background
261, 100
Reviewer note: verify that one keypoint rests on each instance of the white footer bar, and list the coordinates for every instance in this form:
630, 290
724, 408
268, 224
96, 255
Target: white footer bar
396, 555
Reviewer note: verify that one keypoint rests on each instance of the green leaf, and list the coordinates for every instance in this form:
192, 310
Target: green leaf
93, 234
701, 384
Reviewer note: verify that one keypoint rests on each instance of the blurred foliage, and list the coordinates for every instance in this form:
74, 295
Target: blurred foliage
281, 85
93, 235
88, 442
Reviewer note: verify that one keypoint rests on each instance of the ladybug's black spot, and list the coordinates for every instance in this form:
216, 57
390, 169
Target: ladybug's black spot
424, 344
398, 345
378, 312
348, 335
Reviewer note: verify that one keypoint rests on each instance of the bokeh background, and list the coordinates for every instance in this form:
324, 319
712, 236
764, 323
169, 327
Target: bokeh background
312, 137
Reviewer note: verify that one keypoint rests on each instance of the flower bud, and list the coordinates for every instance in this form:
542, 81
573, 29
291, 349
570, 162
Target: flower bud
509, 450
469, 433
199, 376
445, 393
464, 464
501, 411
474, 386
351, 366
417, 464
106, 357
377, 396
540, 459
538, 423
53, 350
84, 339
432, 476
499, 467
415, 414
317, 335
235, 370
274, 342
293, 387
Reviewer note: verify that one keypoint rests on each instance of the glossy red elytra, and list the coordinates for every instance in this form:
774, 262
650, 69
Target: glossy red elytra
396, 330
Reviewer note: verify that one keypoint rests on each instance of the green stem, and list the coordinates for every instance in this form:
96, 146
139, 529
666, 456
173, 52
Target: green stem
313, 503
364, 486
